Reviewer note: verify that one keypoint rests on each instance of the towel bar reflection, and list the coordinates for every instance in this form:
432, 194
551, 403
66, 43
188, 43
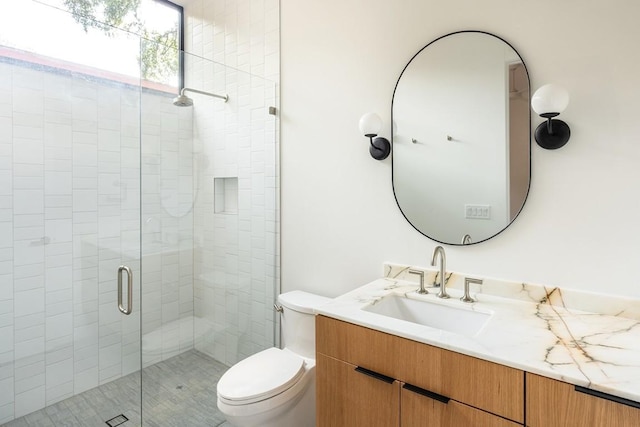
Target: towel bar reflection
129, 308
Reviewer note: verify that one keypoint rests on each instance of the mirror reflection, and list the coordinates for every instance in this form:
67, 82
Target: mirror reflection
461, 138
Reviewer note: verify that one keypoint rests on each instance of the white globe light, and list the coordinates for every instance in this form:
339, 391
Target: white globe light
550, 98
370, 124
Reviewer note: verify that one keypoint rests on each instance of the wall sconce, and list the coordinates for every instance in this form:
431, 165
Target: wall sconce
549, 101
370, 125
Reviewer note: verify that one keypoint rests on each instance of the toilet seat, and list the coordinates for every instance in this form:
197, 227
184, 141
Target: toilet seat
260, 377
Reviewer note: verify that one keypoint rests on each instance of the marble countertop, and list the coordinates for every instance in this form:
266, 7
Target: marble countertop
584, 339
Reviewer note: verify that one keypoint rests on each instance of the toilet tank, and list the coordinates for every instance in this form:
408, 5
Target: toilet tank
298, 321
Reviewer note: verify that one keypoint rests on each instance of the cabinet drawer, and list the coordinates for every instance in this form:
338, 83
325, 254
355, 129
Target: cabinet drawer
419, 410
485, 385
347, 397
552, 403
357, 345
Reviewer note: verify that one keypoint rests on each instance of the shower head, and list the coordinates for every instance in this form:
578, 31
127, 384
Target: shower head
183, 100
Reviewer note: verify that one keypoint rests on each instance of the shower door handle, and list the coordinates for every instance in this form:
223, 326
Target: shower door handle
129, 308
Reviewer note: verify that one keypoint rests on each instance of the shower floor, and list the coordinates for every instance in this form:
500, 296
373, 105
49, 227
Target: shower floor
179, 392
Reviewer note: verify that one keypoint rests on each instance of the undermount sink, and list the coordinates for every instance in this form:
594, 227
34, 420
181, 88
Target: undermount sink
445, 317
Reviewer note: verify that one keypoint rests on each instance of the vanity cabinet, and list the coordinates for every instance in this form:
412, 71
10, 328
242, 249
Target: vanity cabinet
415, 381
552, 403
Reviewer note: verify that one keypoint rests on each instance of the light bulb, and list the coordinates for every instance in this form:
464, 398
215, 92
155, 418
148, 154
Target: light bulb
550, 98
370, 124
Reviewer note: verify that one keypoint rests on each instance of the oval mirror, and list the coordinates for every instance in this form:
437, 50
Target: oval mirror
461, 156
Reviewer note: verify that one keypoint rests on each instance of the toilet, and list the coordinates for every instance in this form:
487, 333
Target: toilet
276, 387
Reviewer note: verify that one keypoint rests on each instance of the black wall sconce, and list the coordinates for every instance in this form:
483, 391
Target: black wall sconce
549, 101
370, 125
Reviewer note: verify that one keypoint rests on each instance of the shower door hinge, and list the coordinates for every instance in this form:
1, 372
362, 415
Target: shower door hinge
273, 111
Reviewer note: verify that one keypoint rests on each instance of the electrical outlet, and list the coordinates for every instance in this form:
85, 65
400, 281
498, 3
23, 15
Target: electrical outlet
477, 211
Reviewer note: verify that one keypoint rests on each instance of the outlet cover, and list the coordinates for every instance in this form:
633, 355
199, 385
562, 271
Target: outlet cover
477, 211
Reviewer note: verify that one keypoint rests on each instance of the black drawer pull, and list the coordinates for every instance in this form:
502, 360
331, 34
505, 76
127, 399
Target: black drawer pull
375, 375
606, 396
427, 393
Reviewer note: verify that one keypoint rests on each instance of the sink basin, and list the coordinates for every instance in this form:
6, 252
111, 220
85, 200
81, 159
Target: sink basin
448, 318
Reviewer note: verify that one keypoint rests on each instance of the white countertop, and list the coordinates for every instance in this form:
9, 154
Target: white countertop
533, 328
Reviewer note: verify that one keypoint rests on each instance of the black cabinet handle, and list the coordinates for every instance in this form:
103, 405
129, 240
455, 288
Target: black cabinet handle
606, 396
427, 393
375, 375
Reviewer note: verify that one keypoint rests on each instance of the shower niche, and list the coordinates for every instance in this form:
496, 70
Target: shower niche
225, 196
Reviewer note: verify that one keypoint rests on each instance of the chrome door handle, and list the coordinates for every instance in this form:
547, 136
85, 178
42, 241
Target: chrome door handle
129, 308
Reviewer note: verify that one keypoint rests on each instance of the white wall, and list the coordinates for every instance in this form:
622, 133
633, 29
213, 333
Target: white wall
579, 228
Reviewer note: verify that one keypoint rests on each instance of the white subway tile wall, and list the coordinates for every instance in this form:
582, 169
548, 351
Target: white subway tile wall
243, 34
236, 261
234, 236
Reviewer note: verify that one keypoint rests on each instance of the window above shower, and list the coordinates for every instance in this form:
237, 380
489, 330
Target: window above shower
128, 41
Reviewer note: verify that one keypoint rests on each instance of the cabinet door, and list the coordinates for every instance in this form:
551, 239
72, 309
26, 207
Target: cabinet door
350, 397
420, 410
552, 403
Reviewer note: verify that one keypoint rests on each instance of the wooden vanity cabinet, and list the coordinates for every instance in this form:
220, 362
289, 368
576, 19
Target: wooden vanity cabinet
477, 392
552, 403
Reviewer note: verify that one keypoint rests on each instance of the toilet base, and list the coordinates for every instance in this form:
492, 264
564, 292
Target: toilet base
300, 412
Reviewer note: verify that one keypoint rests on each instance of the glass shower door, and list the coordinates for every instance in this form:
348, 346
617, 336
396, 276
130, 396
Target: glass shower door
69, 222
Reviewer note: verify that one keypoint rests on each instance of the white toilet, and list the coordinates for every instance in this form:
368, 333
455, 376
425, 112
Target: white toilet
276, 387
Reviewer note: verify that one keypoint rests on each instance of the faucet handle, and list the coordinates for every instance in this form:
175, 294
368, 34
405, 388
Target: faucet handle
421, 289
466, 297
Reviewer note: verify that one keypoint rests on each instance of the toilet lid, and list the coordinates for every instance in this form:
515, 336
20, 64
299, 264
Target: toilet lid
261, 376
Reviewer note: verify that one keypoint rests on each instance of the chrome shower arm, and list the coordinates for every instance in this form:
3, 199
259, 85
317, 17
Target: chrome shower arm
201, 92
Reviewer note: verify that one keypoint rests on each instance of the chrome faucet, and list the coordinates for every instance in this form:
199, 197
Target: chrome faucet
439, 250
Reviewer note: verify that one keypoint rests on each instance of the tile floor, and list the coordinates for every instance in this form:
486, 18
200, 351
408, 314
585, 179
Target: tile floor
180, 391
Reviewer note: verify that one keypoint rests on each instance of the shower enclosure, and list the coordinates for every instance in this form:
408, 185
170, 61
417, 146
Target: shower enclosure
113, 199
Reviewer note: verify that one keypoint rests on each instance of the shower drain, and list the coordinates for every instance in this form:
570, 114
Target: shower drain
116, 421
